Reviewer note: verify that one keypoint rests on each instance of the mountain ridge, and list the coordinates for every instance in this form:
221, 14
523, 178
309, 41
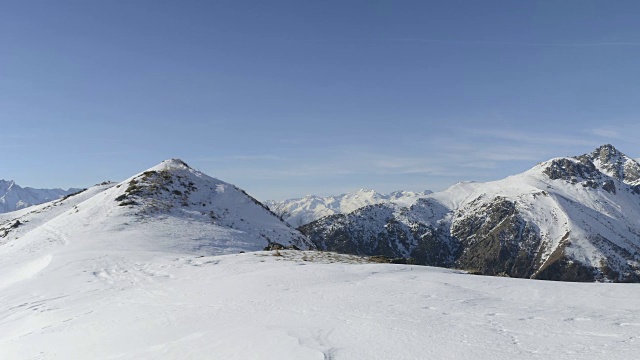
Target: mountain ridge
568, 218
300, 211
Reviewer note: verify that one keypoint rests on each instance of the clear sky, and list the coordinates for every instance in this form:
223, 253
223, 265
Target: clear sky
287, 98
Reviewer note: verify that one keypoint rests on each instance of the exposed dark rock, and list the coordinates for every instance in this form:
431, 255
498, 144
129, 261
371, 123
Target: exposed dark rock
74, 194
560, 268
570, 170
374, 230
615, 164
386, 260
496, 240
609, 186
277, 246
564, 269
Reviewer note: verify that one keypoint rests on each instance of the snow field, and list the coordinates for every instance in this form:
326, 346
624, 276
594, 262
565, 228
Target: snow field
146, 305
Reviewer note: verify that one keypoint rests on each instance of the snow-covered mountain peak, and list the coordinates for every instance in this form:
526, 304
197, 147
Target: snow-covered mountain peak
614, 163
5, 184
171, 164
365, 192
170, 207
172, 184
601, 166
301, 211
14, 197
403, 193
607, 153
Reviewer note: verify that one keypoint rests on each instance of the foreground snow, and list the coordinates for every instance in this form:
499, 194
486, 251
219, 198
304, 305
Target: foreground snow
105, 303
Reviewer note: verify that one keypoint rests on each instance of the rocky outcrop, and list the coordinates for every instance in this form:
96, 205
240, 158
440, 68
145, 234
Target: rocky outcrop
571, 170
613, 163
375, 230
496, 239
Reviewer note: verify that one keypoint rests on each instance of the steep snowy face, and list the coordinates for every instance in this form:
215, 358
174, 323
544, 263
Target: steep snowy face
13, 197
565, 219
298, 212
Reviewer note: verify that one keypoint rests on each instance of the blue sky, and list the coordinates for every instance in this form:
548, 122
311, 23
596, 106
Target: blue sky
287, 98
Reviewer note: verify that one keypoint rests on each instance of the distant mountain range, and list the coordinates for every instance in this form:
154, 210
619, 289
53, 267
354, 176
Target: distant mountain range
569, 218
13, 197
301, 211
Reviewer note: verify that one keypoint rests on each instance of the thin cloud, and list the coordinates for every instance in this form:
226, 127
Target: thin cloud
532, 137
231, 158
518, 43
469, 42
255, 157
605, 132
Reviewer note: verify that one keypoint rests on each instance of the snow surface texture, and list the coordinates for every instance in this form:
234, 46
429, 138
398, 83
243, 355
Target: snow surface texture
13, 197
298, 212
109, 303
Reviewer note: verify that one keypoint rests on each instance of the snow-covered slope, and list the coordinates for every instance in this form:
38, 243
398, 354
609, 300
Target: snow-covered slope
170, 208
126, 305
13, 197
298, 212
565, 219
